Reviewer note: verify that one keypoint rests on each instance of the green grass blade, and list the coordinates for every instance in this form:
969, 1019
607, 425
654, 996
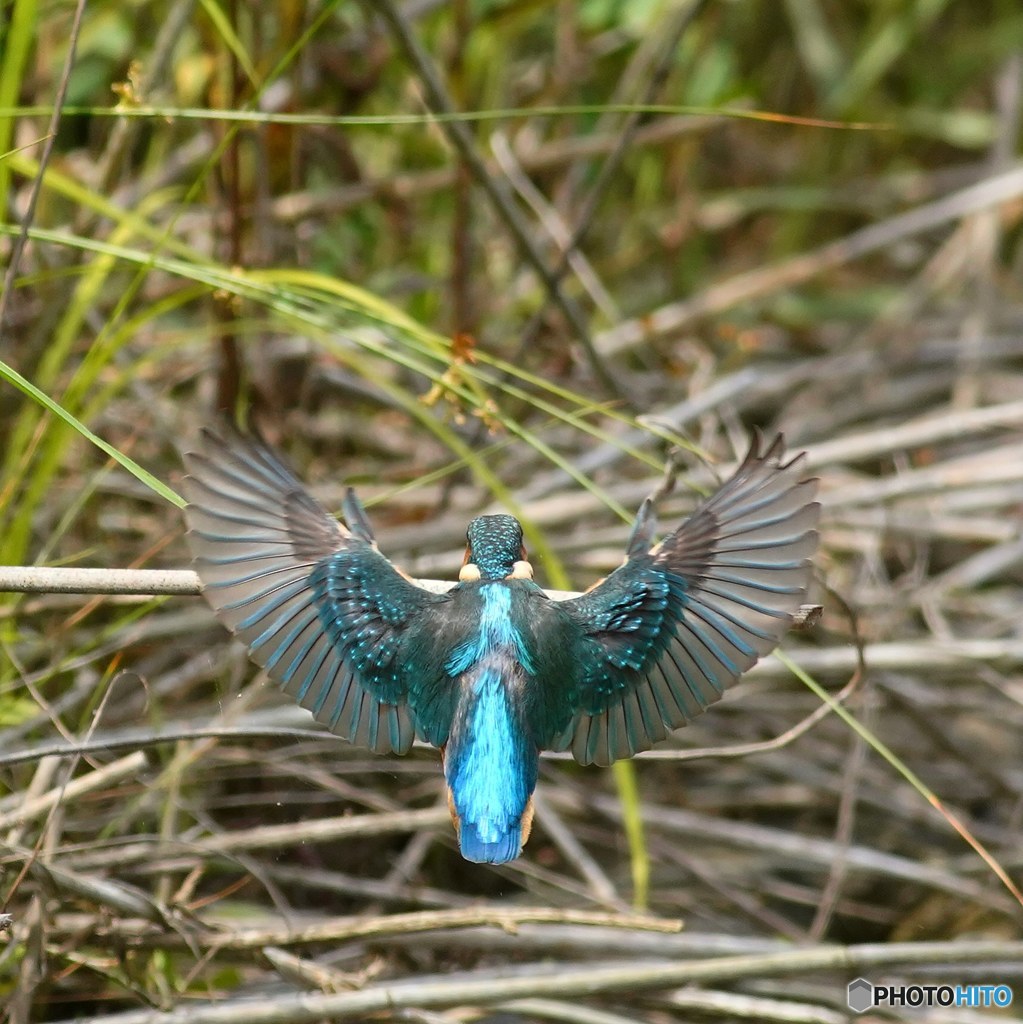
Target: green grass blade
627, 785
904, 770
18, 41
12, 376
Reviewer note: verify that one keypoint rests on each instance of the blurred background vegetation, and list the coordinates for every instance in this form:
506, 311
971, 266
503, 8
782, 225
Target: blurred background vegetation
659, 225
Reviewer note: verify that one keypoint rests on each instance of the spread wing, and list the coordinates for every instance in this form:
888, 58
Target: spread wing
317, 605
666, 632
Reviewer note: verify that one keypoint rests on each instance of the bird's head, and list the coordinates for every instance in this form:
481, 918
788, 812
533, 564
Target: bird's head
495, 550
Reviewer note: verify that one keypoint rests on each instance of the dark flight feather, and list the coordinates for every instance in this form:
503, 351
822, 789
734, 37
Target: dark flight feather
668, 631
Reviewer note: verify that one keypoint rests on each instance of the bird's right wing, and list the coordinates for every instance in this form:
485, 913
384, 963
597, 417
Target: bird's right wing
315, 603
666, 632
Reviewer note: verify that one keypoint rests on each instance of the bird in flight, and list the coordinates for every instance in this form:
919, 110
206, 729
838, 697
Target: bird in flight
493, 672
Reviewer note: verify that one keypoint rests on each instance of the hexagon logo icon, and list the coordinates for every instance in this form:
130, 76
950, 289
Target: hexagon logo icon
861, 995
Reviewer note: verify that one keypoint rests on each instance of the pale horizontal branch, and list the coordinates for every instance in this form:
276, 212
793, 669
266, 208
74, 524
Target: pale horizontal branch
34, 579
230, 935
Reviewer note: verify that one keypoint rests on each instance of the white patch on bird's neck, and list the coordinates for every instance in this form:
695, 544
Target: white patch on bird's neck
470, 572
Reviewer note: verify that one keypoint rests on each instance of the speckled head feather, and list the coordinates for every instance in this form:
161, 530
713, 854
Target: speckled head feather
495, 545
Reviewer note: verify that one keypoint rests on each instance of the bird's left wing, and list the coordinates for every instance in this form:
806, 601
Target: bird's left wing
317, 605
666, 632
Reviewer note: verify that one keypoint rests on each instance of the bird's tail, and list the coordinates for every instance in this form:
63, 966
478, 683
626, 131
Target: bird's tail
491, 766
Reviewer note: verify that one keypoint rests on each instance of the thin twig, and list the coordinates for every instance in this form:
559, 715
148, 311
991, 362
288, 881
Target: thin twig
117, 896
332, 201
126, 767
745, 287
808, 849
125, 131
344, 929
461, 138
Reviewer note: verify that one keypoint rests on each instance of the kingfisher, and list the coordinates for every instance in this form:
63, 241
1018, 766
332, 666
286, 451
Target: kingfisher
495, 671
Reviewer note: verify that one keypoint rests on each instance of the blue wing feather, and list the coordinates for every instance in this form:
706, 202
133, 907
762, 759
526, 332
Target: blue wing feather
667, 632
317, 605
